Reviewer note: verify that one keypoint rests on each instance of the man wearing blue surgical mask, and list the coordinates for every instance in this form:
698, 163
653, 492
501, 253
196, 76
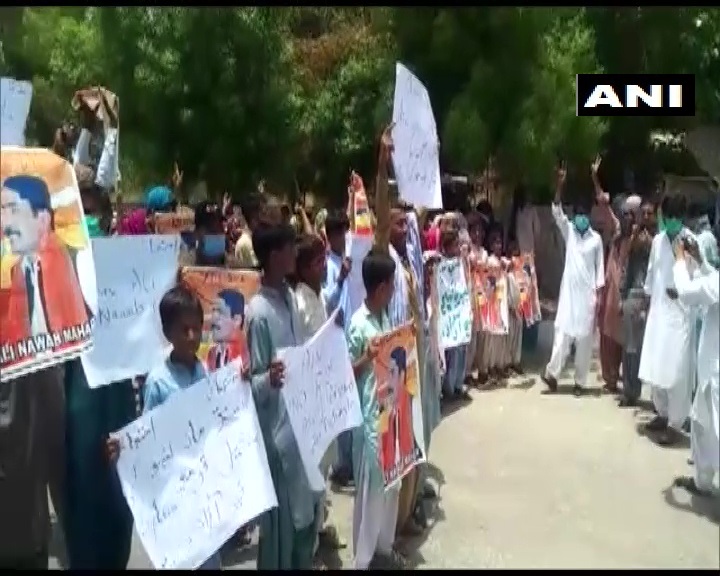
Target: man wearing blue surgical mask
582, 280
209, 235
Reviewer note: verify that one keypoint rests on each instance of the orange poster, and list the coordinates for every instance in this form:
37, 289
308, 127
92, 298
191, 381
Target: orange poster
400, 425
363, 217
524, 274
224, 295
491, 299
47, 274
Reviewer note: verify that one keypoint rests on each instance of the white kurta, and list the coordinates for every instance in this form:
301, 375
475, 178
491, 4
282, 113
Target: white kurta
668, 351
704, 291
583, 275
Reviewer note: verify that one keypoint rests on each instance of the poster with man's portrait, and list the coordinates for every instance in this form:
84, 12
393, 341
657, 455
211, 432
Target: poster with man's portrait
47, 275
526, 279
400, 423
224, 295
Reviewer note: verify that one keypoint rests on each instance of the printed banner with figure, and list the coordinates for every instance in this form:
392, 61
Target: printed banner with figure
224, 295
133, 274
362, 214
180, 222
47, 276
400, 423
320, 395
492, 286
455, 317
194, 470
524, 274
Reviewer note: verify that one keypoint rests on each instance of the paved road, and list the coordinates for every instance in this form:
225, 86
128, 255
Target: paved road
529, 480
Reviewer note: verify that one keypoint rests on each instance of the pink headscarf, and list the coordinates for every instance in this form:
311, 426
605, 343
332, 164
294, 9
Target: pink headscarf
133, 223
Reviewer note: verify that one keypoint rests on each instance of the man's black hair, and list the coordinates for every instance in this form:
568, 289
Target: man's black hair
696, 210
377, 268
674, 206
252, 206
336, 222
269, 238
177, 302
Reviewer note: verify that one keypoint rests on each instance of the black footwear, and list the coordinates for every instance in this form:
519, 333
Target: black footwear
465, 395
550, 382
668, 437
689, 484
626, 403
428, 492
577, 390
420, 516
690, 461
657, 424
342, 478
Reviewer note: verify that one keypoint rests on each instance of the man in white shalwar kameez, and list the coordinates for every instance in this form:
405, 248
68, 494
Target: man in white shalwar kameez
583, 278
703, 291
667, 360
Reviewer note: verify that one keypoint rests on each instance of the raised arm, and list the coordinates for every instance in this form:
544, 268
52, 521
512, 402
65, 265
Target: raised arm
382, 193
698, 291
561, 220
603, 198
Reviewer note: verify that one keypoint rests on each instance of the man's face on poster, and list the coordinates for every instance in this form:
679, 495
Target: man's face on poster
20, 225
222, 324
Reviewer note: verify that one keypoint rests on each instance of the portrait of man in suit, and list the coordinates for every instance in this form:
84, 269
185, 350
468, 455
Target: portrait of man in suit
398, 439
227, 321
44, 295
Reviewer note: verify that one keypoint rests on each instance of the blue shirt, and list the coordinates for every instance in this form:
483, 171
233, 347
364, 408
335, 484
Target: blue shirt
364, 326
335, 292
168, 378
161, 383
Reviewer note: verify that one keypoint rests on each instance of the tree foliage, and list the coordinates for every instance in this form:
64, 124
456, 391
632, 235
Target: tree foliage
298, 95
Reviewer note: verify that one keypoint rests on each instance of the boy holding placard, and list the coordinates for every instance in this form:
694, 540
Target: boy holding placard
287, 533
181, 316
375, 510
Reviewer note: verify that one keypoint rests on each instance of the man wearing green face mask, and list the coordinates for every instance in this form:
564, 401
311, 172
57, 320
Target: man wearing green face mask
667, 360
583, 279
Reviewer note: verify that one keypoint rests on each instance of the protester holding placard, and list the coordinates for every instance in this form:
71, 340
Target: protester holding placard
287, 533
476, 258
313, 312
335, 292
454, 357
375, 509
181, 316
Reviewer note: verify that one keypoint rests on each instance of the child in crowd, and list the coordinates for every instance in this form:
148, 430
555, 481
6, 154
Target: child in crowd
513, 351
477, 257
287, 532
375, 510
181, 316
495, 346
310, 273
454, 377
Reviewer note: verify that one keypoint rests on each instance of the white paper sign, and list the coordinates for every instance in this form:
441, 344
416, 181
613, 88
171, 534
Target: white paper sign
416, 153
320, 395
15, 98
359, 246
133, 273
194, 470
455, 310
